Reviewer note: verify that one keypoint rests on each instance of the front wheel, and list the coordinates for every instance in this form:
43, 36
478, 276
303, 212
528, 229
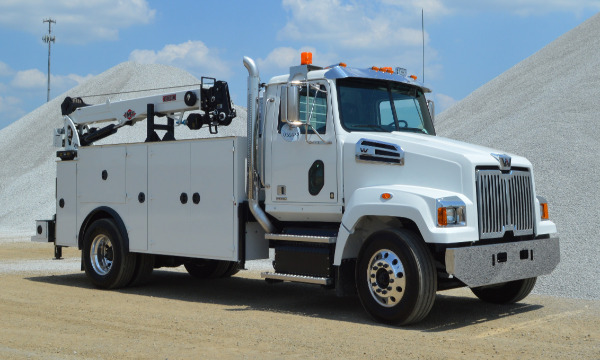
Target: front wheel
505, 293
396, 277
105, 261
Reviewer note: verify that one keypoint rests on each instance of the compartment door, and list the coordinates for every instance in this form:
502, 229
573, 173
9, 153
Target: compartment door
168, 185
214, 217
66, 203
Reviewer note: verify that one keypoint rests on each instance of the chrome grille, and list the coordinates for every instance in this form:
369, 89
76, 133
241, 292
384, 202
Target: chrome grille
504, 203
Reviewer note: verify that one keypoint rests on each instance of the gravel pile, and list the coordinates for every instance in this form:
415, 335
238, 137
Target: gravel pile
28, 171
546, 108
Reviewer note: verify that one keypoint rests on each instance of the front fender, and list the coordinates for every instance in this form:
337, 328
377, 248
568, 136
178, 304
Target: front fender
417, 204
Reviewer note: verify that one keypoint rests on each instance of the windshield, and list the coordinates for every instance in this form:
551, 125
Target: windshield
367, 105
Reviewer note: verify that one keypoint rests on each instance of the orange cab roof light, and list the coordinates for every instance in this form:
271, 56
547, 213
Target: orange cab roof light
414, 77
306, 58
375, 68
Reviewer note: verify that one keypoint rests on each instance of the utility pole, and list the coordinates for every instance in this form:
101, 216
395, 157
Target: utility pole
49, 39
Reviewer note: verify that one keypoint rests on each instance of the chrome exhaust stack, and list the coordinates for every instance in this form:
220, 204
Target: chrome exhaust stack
252, 130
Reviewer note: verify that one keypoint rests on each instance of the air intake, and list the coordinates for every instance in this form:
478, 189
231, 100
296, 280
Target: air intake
378, 151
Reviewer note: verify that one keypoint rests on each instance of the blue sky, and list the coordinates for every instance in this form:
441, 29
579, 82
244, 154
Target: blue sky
467, 42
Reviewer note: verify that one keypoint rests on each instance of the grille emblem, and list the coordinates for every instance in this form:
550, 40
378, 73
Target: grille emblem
503, 159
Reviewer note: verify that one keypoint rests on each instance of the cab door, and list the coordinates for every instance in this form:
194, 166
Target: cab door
302, 165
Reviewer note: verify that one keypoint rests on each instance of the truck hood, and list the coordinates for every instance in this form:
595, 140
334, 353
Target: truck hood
429, 161
443, 148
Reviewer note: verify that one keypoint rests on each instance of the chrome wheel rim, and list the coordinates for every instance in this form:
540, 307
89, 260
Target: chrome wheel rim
101, 254
385, 277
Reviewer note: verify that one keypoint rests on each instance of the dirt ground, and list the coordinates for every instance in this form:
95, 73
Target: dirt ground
56, 314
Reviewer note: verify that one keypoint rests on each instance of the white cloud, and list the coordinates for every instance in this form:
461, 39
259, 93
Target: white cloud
443, 102
76, 22
29, 79
10, 107
5, 70
359, 26
281, 58
36, 79
521, 7
433, 8
65, 82
191, 55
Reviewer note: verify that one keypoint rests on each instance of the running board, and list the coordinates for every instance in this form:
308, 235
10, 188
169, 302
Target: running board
302, 238
297, 278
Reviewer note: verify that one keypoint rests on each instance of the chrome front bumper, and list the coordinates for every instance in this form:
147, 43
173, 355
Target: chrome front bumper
498, 263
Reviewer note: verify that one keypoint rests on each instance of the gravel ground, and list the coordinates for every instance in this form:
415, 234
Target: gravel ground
55, 313
545, 108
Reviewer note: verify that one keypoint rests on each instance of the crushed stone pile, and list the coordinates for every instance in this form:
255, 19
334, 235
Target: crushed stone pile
546, 108
28, 171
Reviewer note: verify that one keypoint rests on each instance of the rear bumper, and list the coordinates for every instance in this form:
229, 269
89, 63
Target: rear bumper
44, 231
498, 263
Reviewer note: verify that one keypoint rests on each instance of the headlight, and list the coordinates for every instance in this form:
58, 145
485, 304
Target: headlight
543, 208
451, 211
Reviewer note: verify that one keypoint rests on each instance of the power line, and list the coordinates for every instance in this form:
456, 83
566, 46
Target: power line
49, 39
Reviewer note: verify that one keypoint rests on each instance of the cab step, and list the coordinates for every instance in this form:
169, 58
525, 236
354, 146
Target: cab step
297, 278
302, 238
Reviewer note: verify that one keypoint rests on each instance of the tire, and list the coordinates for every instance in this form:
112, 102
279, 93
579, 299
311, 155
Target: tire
505, 293
396, 279
105, 261
233, 269
143, 270
211, 269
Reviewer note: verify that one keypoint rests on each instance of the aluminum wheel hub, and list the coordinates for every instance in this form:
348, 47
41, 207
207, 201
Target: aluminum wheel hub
386, 278
101, 254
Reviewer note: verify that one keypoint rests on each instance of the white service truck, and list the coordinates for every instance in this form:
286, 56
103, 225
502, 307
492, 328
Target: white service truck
341, 174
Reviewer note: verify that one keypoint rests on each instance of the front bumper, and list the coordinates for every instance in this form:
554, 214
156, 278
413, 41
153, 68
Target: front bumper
498, 263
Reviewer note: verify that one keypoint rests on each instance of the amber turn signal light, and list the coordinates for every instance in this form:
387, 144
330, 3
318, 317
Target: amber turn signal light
442, 217
544, 210
386, 196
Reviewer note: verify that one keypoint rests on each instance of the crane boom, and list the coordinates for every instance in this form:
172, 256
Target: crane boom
212, 97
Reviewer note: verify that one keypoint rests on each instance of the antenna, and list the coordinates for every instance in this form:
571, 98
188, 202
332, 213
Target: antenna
423, 36
49, 39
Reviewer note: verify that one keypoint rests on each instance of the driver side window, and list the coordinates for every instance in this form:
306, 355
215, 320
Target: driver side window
317, 108
317, 111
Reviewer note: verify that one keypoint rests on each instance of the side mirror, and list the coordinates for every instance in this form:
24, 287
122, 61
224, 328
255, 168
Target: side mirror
431, 106
290, 104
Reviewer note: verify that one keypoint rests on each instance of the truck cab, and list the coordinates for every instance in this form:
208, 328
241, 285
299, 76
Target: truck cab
355, 150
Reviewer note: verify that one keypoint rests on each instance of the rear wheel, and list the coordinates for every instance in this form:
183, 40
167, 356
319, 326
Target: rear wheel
105, 261
505, 293
211, 269
396, 277
143, 269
